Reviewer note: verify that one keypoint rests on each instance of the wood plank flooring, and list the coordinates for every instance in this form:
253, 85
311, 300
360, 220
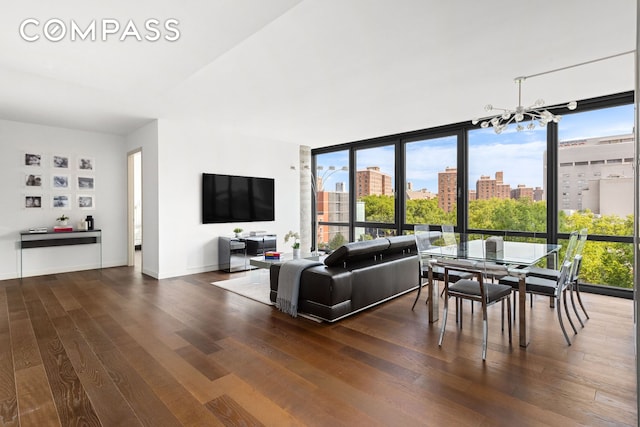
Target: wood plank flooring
114, 348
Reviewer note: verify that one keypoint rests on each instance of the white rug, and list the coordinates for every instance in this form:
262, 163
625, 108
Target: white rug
253, 285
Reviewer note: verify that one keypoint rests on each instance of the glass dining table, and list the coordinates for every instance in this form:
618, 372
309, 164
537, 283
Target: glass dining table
516, 256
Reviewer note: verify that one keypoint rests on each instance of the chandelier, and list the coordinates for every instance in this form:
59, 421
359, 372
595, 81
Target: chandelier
534, 113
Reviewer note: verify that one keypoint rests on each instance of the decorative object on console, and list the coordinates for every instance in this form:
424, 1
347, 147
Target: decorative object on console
90, 222
296, 242
62, 220
238, 232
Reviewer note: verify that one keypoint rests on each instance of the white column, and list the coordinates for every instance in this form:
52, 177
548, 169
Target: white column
305, 199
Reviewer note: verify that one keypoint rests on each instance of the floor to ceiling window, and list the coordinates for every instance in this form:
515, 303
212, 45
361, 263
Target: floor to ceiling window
487, 183
431, 180
375, 192
505, 177
595, 189
332, 186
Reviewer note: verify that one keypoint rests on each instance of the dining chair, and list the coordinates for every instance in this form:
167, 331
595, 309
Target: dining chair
551, 288
424, 236
551, 273
475, 289
574, 282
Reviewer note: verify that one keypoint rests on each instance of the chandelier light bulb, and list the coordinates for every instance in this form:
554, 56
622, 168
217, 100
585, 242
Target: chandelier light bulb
506, 115
488, 107
572, 105
519, 117
475, 121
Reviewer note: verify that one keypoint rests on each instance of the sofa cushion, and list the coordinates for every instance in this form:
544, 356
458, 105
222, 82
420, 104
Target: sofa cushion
356, 251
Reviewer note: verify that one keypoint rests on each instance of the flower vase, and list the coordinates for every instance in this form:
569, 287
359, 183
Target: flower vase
296, 253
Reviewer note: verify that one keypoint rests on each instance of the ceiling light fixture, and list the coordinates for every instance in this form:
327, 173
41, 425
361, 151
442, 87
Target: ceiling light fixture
535, 112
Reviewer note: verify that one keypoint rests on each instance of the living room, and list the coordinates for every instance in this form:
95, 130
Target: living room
244, 87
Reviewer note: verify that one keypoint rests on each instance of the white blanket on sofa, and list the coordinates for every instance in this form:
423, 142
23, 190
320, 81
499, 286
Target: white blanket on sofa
289, 284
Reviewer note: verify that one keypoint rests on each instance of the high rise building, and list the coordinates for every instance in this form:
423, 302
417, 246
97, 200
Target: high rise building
373, 182
447, 189
487, 188
596, 174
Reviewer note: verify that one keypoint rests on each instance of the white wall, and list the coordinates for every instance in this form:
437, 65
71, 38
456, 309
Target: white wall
186, 149
16, 139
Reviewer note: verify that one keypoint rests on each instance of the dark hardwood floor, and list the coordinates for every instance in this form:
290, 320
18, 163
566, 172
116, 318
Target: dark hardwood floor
115, 348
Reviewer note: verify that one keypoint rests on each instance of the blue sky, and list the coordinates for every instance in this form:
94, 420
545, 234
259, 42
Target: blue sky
518, 154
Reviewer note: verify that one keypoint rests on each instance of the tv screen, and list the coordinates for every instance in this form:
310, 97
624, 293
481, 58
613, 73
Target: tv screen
230, 198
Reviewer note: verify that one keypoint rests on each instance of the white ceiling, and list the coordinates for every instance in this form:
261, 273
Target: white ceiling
316, 72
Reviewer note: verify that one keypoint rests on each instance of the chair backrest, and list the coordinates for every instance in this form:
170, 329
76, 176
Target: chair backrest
423, 237
575, 269
571, 247
563, 279
448, 235
582, 239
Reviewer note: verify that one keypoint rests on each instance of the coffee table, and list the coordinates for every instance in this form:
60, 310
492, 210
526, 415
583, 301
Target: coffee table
261, 262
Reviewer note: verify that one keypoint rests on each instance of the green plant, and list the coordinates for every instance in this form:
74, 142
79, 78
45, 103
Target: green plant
62, 217
296, 239
237, 230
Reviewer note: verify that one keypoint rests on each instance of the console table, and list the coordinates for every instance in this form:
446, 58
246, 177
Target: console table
29, 240
234, 252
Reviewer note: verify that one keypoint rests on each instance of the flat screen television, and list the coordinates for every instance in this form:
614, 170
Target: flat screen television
230, 198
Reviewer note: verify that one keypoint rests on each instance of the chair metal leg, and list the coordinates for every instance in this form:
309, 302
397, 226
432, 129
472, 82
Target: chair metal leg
509, 316
485, 331
580, 300
420, 284
444, 320
566, 310
566, 337
573, 304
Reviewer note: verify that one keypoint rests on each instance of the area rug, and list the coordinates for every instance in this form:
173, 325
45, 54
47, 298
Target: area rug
253, 285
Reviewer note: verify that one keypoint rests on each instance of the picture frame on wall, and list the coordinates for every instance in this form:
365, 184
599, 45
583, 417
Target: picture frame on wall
32, 201
32, 180
86, 183
86, 201
86, 164
61, 201
32, 159
60, 182
60, 161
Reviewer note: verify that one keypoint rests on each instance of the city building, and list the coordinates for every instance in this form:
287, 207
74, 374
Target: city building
596, 174
373, 182
487, 188
422, 194
447, 189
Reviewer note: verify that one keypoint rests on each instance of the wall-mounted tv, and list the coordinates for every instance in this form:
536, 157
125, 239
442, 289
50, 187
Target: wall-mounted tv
230, 198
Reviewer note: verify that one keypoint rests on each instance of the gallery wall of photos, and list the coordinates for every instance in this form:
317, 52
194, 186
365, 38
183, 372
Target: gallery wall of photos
58, 181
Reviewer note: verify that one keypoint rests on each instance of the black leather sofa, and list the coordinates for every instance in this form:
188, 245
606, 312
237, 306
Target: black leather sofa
356, 276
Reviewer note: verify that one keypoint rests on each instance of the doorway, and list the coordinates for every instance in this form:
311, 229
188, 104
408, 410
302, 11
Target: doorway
134, 209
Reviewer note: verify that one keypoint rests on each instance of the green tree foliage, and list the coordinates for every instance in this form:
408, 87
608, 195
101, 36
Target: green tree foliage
424, 211
337, 241
378, 208
607, 263
508, 214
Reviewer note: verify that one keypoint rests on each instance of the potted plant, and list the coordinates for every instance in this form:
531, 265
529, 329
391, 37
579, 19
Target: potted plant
296, 242
62, 220
238, 232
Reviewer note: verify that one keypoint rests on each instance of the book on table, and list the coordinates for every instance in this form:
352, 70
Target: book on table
62, 228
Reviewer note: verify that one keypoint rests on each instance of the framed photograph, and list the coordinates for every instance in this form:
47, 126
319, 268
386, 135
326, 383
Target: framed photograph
86, 164
33, 159
86, 183
61, 201
33, 201
60, 162
60, 181
86, 201
33, 180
